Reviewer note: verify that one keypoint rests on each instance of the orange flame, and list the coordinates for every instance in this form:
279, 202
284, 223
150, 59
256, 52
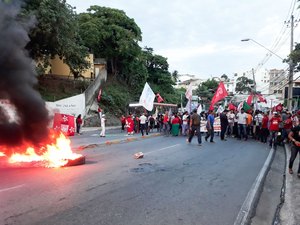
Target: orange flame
53, 155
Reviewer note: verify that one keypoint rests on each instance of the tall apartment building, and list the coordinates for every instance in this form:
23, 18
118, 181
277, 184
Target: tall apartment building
278, 80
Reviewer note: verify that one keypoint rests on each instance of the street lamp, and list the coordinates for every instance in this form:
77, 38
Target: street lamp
290, 88
249, 39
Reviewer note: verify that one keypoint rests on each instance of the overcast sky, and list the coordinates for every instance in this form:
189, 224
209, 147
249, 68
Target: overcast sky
203, 37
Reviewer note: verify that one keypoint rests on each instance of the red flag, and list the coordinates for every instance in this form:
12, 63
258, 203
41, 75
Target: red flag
279, 107
159, 98
232, 107
262, 99
99, 95
220, 94
249, 100
64, 123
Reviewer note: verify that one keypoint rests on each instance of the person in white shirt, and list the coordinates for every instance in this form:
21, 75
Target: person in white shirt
242, 124
185, 123
230, 117
102, 134
143, 121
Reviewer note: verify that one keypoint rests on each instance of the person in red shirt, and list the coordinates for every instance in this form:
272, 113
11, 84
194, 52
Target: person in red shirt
274, 127
264, 128
78, 124
130, 125
287, 126
123, 122
175, 125
166, 124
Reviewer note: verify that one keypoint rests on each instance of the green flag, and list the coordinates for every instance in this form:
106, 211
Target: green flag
246, 107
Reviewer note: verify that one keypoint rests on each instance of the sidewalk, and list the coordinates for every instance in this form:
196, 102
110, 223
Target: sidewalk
290, 213
90, 137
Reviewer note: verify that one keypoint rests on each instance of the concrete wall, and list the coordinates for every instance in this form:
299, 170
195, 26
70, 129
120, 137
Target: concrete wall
60, 68
90, 92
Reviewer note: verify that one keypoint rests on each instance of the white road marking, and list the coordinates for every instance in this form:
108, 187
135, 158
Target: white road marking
11, 188
161, 149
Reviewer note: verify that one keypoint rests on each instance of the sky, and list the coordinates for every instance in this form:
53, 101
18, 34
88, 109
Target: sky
203, 37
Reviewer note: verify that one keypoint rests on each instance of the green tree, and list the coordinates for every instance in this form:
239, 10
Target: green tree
225, 77
295, 57
175, 76
55, 33
110, 34
158, 74
244, 85
207, 89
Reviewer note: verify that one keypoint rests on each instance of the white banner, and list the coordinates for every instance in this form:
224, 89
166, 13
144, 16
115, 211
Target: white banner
147, 98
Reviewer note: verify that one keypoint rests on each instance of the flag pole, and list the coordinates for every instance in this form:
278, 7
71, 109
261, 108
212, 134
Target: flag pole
181, 102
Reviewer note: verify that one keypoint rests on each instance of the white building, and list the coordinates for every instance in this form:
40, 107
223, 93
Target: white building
185, 80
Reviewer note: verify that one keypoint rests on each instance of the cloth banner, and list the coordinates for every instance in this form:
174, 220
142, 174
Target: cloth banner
159, 98
188, 106
147, 97
240, 106
220, 94
64, 123
220, 109
246, 107
217, 125
232, 107
189, 92
262, 99
279, 107
250, 99
99, 95
199, 109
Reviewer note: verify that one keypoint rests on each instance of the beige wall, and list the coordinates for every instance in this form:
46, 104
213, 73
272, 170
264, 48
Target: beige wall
58, 67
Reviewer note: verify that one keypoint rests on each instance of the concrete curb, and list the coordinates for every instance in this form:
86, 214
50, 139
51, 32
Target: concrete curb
248, 208
117, 141
287, 214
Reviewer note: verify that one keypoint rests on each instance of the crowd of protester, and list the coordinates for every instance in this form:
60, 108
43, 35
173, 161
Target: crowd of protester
258, 125
274, 128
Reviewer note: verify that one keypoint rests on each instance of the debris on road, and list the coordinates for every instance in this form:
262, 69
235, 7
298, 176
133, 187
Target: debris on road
138, 155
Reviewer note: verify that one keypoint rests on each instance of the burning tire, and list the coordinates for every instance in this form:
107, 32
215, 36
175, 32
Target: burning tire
76, 162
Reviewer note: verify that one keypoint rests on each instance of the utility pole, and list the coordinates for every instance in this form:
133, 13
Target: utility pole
291, 69
254, 88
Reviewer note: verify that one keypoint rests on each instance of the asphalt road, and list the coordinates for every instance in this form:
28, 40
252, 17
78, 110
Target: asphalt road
175, 183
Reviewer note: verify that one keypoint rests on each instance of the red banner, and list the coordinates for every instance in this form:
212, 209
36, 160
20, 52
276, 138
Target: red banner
64, 123
159, 98
99, 95
262, 99
249, 100
220, 94
232, 107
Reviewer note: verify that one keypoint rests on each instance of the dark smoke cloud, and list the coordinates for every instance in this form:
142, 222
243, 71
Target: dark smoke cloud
17, 79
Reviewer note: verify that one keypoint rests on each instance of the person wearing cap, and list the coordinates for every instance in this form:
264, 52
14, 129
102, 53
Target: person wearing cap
274, 128
294, 136
102, 134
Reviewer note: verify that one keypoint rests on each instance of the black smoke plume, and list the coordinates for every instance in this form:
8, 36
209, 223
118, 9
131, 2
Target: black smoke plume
17, 81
